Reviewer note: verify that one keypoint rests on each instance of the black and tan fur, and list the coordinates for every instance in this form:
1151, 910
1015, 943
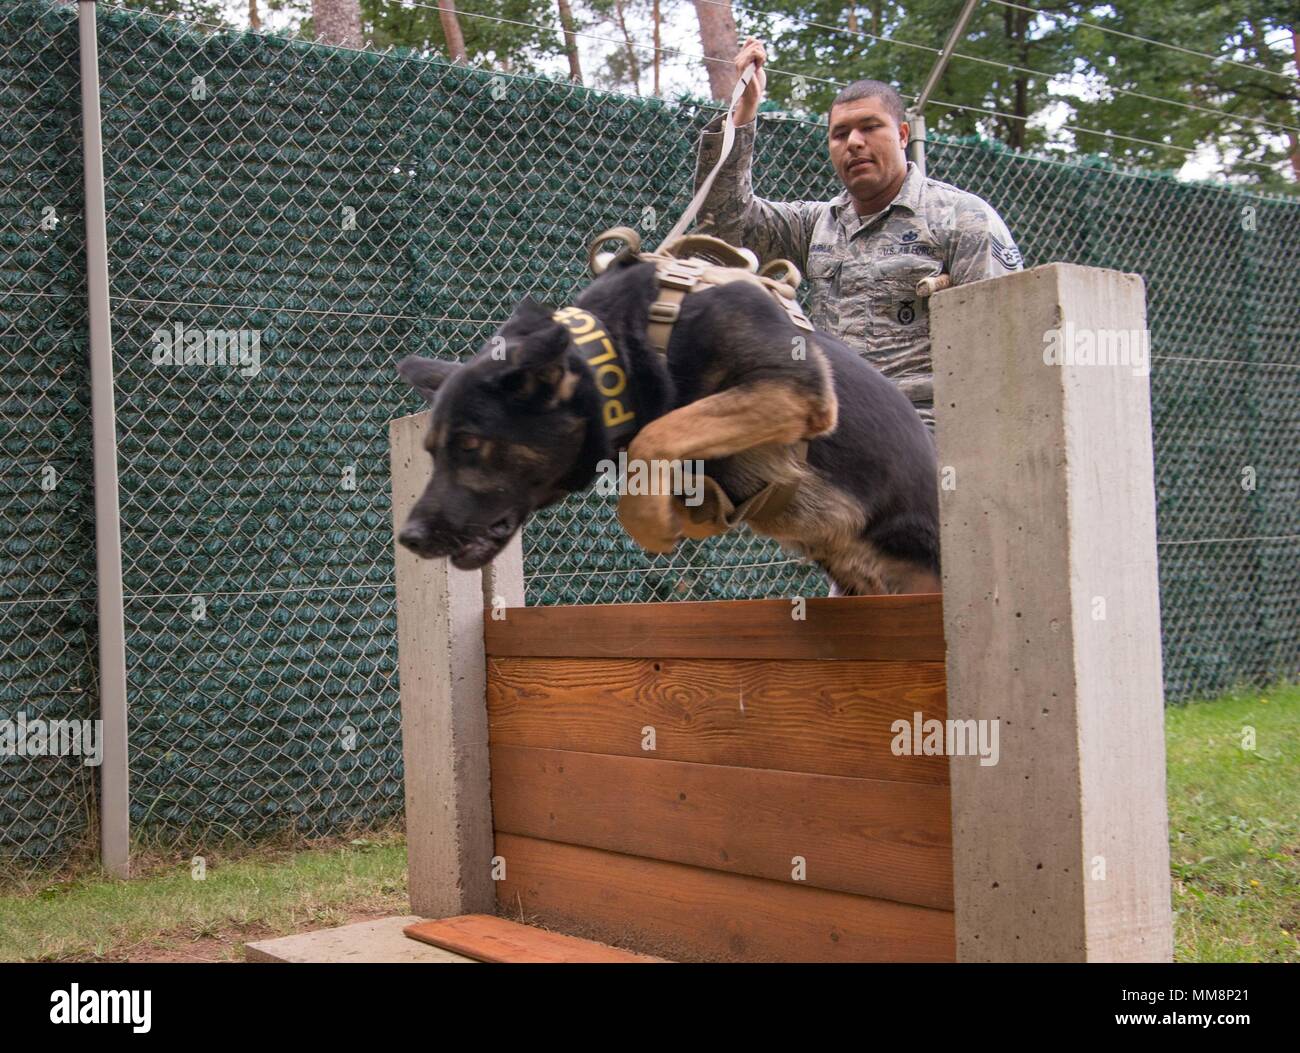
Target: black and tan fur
515, 431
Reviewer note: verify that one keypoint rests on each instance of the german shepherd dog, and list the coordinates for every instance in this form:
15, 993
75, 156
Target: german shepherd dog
529, 419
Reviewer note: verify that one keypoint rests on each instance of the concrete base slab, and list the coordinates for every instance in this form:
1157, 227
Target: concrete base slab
360, 942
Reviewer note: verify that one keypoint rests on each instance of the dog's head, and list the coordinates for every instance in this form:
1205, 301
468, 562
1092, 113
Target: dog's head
512, 430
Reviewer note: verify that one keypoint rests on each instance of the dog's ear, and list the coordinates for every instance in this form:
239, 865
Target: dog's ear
541, 348
528, 316
535, 364
537, 345
425, 374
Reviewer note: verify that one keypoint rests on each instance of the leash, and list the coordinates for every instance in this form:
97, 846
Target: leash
925, 288
677, 277
728, 139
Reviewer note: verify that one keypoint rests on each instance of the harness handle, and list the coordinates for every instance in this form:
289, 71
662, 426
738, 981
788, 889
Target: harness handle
598, 262
784, 271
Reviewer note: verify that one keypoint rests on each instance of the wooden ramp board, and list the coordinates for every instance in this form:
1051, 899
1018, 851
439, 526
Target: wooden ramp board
491, 939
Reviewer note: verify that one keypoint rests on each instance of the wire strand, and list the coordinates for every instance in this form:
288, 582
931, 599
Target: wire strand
1219, 60
670, 52
1089, 131
1076, 129
1018, 69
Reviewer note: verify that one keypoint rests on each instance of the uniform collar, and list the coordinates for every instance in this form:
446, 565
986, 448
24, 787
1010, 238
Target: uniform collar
908, 197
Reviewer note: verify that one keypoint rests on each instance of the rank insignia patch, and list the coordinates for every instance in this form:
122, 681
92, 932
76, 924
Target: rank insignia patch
1007, 255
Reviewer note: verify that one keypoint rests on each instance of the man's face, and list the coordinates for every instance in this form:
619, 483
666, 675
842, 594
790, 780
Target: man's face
867, 146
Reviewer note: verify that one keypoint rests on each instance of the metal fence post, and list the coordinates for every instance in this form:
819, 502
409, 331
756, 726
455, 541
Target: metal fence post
916, 115
916, 140
114, 789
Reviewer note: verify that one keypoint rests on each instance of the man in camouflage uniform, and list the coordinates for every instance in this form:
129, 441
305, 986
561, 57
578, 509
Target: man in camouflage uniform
864, 251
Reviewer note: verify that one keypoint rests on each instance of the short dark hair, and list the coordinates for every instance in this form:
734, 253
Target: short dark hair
874, 89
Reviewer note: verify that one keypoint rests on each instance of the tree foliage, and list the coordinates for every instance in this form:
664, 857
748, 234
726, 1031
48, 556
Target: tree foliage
1035, 79
1039, 75
499, 33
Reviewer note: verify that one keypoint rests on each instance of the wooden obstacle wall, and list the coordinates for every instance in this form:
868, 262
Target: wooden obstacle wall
770, 821
522, 736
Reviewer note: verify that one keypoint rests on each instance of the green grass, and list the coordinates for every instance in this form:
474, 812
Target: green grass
1234, 824
167, 913
1234, 827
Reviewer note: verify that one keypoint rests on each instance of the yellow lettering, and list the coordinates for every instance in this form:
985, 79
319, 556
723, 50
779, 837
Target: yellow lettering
620, 380
578, 321
615, 413
609, 353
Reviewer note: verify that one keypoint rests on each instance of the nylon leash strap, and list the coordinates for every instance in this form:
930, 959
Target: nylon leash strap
728, 138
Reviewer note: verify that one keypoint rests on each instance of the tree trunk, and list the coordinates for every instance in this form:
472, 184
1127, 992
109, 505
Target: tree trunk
570, 40
657, 46
718, 35
337, 22
451, 31
1016, 26
853, 19
633, 66
1295, 140
254, 18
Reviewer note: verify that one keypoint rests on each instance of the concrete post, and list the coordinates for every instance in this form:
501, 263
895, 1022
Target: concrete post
1052, 617
115, 771
443, 674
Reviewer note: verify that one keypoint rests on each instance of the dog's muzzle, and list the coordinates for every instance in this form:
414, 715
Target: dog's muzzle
466, 551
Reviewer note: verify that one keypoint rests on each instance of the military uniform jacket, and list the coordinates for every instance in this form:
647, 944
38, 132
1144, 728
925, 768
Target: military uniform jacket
862, 270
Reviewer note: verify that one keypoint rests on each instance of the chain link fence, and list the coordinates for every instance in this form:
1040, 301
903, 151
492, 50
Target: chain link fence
47, 554
305, 216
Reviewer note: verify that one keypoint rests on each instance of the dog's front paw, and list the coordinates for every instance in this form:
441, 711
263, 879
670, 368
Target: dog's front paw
651, 521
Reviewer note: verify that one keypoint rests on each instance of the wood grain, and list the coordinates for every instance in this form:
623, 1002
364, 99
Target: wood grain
889, 840
881, 628
487, 938
830, 718
688, 913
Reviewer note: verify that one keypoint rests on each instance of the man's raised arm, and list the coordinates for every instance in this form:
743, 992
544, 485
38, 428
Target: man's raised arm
731, 211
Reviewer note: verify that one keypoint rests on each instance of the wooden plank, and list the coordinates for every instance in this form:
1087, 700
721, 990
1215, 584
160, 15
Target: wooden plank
882, 628
831, 718
687, 913
487, 938
888, 840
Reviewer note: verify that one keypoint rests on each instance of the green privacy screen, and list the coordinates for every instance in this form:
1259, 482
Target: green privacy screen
47, 553
324, 212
